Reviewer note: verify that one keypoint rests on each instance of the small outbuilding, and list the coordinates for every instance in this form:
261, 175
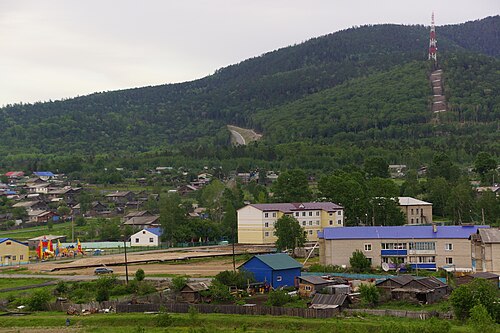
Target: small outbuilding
419, 289
311, 284
191, 291
322, 301
277, 270
492, 277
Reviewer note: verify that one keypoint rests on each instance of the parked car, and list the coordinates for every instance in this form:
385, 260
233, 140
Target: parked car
103, 270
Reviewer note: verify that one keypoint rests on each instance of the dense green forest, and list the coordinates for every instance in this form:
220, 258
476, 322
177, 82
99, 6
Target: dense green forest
331, 101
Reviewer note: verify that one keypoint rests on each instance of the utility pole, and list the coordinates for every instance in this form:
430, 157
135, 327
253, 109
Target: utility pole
126, 264
433, 43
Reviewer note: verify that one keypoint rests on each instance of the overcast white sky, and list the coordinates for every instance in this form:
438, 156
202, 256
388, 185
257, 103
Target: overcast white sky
55, 49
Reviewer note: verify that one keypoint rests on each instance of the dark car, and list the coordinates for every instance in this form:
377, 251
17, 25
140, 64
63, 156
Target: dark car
103, 270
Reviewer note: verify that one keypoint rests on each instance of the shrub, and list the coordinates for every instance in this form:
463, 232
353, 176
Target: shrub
140, 275
164, 320
369, 294
102, 294
218, 292
178, 282
278, 298
480, 320
239, 279
145, 288
38, 300
479, 291
61, 287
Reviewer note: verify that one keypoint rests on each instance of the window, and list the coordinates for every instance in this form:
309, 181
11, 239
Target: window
412, 211
310, 232
266, 214
393, 246
370, 260
14, 258
303, 222
151, 239
368, 247
279, 278
330, 214
423, 246
307, 288
449, 260
417, 211
266, 234
417, 220
266, 224
303, 213
297, 213
137, 240
427, 259
331, 222
317, 222
8, 243
448, 247
310, 222
310, 213
274, 214
143, 232
21, 257
339, 213
411, 221
317, 213
339, 222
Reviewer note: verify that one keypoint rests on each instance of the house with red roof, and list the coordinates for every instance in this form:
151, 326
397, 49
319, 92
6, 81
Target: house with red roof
256, 221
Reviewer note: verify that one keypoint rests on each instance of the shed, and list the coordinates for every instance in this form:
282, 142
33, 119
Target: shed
492, 277
278, 269
191, 291
322, 301
414, 288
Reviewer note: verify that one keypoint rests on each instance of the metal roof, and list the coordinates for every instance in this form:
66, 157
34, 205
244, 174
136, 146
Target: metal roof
409, 201
329, 299
278, 261
489, 235
43, 174
400, 232
313, 279
13, 240
291, 207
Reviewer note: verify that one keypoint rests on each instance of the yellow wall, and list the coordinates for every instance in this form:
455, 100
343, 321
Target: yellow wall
11, 253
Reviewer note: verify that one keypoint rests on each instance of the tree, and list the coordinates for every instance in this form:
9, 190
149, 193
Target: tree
289, 233
239, 279
488, 205
218, 292
172, 218
484, 163
480, 320
359, 262
442, 166
278, 298
376, 167
63, 210
178, 282
38, 300
140, 275
291, 186
460, 203
479, 291
437, 192
369, 294
385, 211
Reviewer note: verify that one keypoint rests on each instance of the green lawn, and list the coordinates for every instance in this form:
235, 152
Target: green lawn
11, 283
123, 323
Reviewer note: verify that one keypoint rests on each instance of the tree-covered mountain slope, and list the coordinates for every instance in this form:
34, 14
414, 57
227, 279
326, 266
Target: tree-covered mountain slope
314, 80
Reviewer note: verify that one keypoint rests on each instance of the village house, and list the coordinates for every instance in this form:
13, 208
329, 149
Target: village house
311, 284
492, 277
421, 247
146, 237
143, 222
416, 211
424, 290
276, 270
485, 250
256, 221
31, 205
44, 175
13, 252
121, 197
41, 216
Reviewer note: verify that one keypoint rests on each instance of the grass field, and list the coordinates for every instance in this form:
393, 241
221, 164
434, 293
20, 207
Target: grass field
12, 283
123, 323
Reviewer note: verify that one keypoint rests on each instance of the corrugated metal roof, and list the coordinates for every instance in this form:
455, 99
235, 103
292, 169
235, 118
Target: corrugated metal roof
279, 261
329, 299
291, 207
399, 232
485, 275
313, 279
43, 174
490, 235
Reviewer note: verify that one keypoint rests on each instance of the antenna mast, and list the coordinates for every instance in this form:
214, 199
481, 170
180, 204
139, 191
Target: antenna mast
433, 43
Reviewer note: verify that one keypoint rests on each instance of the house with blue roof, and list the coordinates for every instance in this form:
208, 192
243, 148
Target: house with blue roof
146, 237
423, 247
13, 252
44, 175
277, 269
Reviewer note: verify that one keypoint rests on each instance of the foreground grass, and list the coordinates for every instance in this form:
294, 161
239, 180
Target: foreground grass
13, 283
109, 323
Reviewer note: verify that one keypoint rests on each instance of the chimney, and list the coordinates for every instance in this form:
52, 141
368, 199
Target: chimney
434, 228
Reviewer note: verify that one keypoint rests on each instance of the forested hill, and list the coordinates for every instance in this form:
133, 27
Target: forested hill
280, 85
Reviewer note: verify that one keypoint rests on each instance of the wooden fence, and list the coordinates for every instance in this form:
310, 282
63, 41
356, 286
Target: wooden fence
230, 309
402, 313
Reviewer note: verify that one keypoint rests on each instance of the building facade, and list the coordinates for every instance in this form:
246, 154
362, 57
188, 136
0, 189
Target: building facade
422, 247
485, 250
416, 211
276, 270
146, 237
256, 221
13, 252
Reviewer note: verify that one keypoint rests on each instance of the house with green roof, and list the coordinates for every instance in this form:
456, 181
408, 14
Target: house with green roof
277, 270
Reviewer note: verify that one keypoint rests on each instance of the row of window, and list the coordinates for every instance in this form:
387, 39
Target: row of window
422, 246
150, 240
267, 233
414, 222
13, 257
417, 209
297, 214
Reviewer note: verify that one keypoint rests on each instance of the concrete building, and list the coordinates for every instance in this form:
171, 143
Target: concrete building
416, 211
485, 250
423, 247
13, 252
256, 221
146, 237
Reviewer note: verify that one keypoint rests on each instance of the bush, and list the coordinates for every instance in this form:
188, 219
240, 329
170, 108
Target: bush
178, 282
164, 320
38, 300
61, 287
480, 320
145, 288
479, 291
239, 279
218, 292
102, 294
140, 275
278, 298
369, 294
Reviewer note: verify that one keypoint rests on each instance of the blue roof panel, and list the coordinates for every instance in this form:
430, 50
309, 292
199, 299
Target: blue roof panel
156, 231
43, 174
399, 232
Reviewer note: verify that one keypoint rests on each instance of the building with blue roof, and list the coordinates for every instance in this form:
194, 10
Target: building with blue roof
13, 252
423, 247
146, 237
277, 269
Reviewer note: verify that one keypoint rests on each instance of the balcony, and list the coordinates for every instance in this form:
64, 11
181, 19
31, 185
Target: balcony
394, 252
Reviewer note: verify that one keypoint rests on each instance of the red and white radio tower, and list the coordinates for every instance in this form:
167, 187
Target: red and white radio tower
433, 42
